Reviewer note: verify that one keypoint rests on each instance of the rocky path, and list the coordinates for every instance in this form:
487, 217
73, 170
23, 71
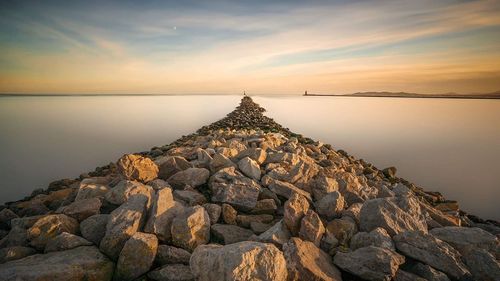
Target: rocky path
243, 199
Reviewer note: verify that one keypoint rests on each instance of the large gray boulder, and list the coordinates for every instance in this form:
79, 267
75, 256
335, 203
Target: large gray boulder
229, 234
311, 228
66, 241
482, 264
82, 263
427, 272
330, 205
161, 214
249, 168
305, 261
123, 223
462, 238
370, 263
191, 228
82, 209
278, 234
93, 228
231, 187
295, 209
240, 261
169, 165
432, 251
192, 177
137, 167
136, 257
92, 187
377, 237
122, 191
167, 254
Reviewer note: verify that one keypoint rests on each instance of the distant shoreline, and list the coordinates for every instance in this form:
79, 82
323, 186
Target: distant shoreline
412, 96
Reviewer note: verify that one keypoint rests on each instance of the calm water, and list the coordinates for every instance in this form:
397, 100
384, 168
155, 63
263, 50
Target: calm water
451, 146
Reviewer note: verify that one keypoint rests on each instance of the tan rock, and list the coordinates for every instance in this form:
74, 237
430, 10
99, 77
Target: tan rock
295, 209
219, 162
136, 257
191, 228
170, 165
136, 167
231, 187
249, 168
311, 228
192, 176
66, 241
48, 227
162, 213
82, 209
246, 220
126, 188
92, 187
257, 154
229, 234
229, 214
171, 255
330, 205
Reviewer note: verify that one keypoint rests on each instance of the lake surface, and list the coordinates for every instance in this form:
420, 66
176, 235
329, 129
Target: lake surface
446, 145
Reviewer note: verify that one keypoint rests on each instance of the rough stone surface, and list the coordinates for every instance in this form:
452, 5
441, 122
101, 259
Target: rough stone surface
229, 234
330, 205
265, 206
120, 193
462, 238
377, 237
190, 196
15, 253
278, 234
136, 257
482, 264
342, 229
370, 263
229, 214
402, 275
167, 254
213, 211
92, 187
229, 186
284, 189
295, 209
191, 228
432, 251
82, 263
311, 228
305, 261
172, 272
136, 167
219, 162
170, 165
322, 186
66, 241
82, 209
247, 220
162, 212
94, 227
48, 227
123, 223
249, 168
239, 261
427, 272
192, 176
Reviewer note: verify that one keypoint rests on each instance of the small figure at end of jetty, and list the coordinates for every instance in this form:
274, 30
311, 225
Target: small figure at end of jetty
305, 94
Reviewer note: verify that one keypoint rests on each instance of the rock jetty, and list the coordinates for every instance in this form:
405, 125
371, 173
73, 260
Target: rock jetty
243, 199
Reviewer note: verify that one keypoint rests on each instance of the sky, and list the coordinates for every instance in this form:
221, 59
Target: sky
261, 47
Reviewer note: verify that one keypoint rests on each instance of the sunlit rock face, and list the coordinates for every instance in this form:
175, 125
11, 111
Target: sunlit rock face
243, 199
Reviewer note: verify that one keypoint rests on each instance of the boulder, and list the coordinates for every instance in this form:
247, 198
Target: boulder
190, 196
427, 272
192, 176
370, 263
311, 228
464, 237
94, 227
229, 214
295, 209
121, 192
284, 189
482, 264
377, 237
353, 212
402, 275
383, 212
330, 205
48, 227
213, 211
231, 187
239, 261
323, 185
66, 241
136, 257
265, 206
278, 234
92, 187
257, 154
161, 214
228, 234
32, 207
123, 223
158, 184
247, 220
219, 161
5, 216
137, 167
167, 254
191, 228
342, 229
432, 251
82, 263
305, 261
15, 253
172, 272
170, 165
249, 168
82, 209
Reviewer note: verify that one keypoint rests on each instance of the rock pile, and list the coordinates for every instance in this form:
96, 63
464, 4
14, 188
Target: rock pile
243, 199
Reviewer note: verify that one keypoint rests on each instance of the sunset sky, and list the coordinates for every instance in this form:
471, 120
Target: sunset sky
263, 47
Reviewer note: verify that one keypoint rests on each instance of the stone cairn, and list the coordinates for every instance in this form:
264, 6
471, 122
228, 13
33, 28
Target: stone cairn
243, 199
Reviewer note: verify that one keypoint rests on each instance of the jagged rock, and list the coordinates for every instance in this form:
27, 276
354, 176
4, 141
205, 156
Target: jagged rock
246, 220
240, 261
463, 237
427, 272
167, 254
342, 229
136, 257
191, 228
92, 187
323, 185
172, 272
213, 211
330, 205
82, 209
66, 241
295, 209
311, 228
5, 216
440, 217
257, 154
82, 263
265, 206
229, 234
32, 207
284, 189
136, 167
402, 275
123, 223
192, 176
190, 196
229, 214
482, 264
429, 250
305, 261
377, 237
249, 168
370, 263
48, 227
229, 186
219, 162
126, 188
162, 212
158, 184
93, 228
278, 234
170, 165
383, 212
15, 253
203, 159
